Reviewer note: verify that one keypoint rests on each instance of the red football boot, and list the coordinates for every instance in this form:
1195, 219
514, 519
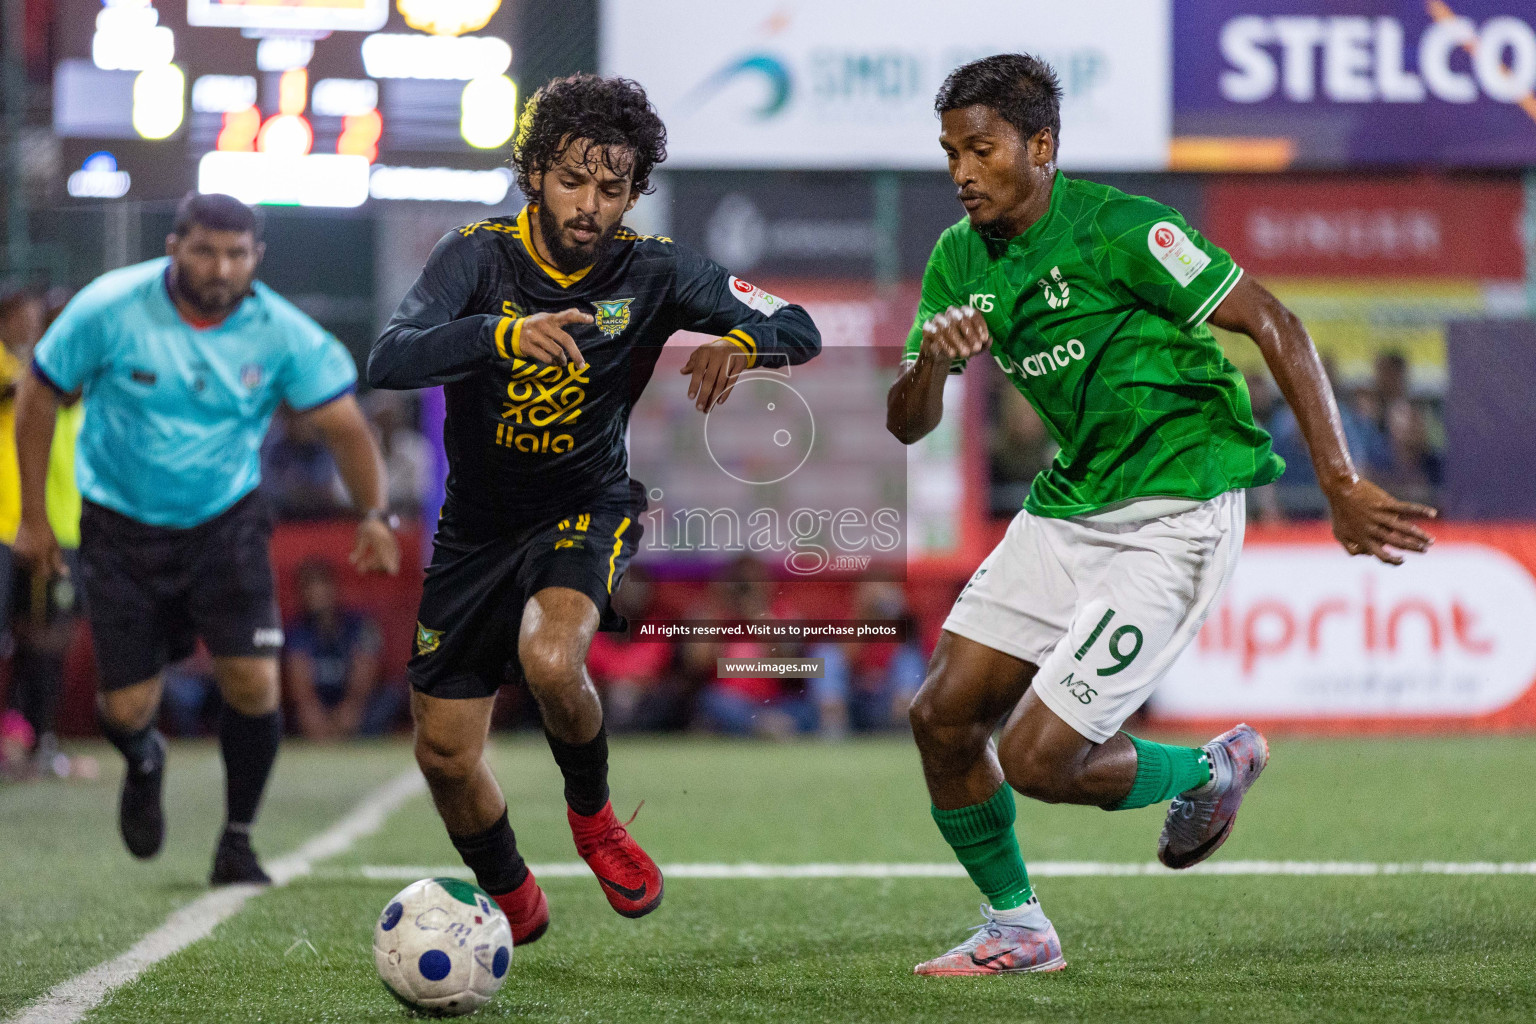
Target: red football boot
630, 879
527, 911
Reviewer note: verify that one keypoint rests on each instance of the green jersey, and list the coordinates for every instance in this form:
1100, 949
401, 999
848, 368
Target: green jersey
1097, 315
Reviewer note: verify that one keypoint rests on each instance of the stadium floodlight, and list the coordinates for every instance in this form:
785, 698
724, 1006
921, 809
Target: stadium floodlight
447, 17
360, 134
441, 184
291, 15
159, 98
488, 111
131, 39
344, 97
99, 178
389, 55
221, 94
312, 179
285, 134
239, 130
284, 53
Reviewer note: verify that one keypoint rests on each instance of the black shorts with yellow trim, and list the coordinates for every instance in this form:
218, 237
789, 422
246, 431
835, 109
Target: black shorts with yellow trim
480, 579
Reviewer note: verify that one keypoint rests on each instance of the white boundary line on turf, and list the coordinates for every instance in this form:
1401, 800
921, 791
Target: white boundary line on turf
1037, 869
71, 1000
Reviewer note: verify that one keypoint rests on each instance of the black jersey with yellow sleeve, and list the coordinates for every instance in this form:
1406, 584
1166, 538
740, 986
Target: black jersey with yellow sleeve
527, 439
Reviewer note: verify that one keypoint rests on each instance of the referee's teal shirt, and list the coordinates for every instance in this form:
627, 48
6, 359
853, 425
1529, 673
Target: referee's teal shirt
174, 414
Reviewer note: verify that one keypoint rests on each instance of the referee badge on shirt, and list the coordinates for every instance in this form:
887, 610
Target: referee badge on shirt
250, 376
612, 316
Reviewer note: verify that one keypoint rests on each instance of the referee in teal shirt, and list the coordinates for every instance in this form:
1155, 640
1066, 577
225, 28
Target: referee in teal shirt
182, 362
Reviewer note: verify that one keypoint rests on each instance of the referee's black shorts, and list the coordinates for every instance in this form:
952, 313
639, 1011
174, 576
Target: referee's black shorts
151, 591
480, 579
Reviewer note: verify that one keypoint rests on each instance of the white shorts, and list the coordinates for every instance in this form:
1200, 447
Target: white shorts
1102, 609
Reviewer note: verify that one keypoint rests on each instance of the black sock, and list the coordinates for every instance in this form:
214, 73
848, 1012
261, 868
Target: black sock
492, 855
137, 746
585, 767
36, 676
249, 745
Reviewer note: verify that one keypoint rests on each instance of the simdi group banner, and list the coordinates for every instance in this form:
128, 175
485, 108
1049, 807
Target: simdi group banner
1266, 84
1307, 636
808, 83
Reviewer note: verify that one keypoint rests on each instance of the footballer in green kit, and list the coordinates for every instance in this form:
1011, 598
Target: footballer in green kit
1095, 304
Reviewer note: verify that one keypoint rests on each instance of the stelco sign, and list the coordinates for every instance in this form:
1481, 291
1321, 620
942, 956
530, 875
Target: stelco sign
1362, 81
1355, 59
1303, 632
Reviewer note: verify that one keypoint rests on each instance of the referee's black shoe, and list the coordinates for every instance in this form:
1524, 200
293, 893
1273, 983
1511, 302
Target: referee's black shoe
235, 862
140, 813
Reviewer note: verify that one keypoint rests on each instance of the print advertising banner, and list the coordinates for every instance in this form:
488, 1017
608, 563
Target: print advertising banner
1305, 635
1265, 84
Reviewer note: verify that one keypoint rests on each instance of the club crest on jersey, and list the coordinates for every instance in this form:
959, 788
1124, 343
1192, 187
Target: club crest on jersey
427, 640
1057, 292
250, 376
612, 316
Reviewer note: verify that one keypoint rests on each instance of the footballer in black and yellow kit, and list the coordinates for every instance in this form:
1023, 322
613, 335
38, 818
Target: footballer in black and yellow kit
544, 329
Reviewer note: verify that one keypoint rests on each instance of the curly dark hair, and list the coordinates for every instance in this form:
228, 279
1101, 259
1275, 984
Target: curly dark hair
610, 112
1022, 89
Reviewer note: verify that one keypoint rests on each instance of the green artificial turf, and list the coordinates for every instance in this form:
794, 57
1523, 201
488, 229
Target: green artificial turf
1401, 949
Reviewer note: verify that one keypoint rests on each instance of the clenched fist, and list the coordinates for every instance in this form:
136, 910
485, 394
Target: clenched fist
957, 333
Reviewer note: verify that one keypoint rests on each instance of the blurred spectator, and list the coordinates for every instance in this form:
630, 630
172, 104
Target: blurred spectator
298, 474
21, 325
1264, 502
1300, 494
23, 315
191, 703
331, 664
1263, 395
640, 691
869, 686
768, 707
407, 455
1411, 426
38, 614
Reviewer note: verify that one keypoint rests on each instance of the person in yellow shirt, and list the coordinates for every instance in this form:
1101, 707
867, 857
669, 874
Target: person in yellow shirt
38, 613
21, 324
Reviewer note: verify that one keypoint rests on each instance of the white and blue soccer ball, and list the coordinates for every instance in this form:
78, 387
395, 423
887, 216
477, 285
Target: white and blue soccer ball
442, 947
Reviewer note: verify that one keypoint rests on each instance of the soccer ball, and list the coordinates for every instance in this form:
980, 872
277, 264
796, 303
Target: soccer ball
442, 947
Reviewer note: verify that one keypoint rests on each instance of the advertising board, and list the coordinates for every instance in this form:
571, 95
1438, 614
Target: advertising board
1466, 228
1265, 84
768, 83
1305, 635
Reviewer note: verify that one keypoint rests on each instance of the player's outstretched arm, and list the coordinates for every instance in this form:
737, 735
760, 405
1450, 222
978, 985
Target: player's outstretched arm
1366, 519
37, 408
788, 336
428, 341
915, 403
357, 457
751, 326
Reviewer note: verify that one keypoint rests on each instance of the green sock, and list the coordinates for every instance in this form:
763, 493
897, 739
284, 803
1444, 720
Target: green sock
1163, 772
983, 840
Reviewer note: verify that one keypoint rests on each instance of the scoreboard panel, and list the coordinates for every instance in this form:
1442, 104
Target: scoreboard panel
296, 102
